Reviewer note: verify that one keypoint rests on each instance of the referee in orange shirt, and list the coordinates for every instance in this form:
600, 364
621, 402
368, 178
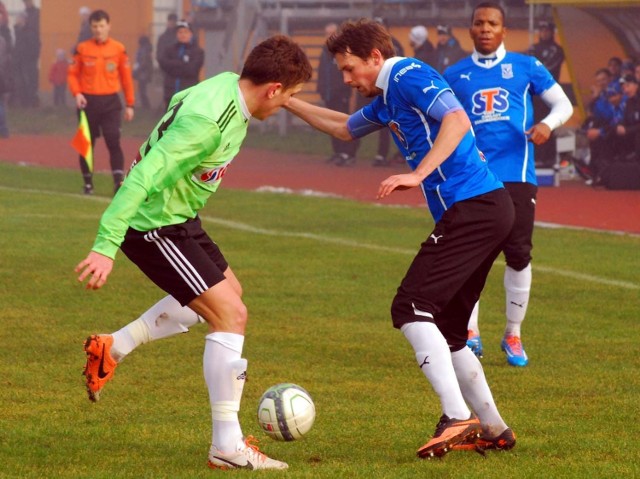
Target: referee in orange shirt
100, 69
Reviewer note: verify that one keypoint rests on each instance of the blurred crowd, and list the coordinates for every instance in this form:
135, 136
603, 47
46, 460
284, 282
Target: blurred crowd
612, 127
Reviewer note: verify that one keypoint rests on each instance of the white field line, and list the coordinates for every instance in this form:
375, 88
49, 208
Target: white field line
235, 225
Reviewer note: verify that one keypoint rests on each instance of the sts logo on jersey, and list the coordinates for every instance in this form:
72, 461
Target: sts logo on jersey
394, 126
490, 101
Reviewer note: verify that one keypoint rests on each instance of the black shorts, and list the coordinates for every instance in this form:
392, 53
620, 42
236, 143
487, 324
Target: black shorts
517, 249
181, 259
449, 272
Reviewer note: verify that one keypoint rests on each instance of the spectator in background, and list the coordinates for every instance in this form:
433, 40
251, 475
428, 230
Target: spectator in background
422, 48
6, 83
31, 54
6, 70
165, 40
615, 67
448, 49
5, 31
58, 78
599, 125
85, 29
384, 135
628, 128
547, 50
96, 91
21, 51
336, 95
552, 56
181, 62
143, 69
628, 68
636, 72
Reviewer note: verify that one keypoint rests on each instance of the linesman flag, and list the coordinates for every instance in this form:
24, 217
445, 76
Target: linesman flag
82, 140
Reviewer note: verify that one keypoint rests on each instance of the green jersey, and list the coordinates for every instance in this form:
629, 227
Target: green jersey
181, 163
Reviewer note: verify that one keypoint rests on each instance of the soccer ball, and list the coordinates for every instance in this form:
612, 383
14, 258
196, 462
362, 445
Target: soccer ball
286, 412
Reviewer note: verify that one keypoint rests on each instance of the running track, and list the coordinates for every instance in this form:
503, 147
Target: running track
571, 204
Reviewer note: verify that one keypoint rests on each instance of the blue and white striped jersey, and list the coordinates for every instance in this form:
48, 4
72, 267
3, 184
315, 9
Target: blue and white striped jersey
497, 98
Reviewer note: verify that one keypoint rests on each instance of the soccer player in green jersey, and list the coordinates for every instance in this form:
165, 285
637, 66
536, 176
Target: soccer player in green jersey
154, 220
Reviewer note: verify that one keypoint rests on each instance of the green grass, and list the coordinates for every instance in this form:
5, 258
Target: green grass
318, 293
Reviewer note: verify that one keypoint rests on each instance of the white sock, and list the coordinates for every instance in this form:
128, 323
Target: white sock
225, 373
164, 319
517, 285
473, 319
476, 392
434, 359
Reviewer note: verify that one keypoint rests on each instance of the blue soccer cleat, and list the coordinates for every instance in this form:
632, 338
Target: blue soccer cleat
512, 347
475, 343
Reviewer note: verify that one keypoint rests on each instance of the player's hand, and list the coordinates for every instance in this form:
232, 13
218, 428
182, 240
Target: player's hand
593, 133
621, 130
398, 182
96, 266
538, 133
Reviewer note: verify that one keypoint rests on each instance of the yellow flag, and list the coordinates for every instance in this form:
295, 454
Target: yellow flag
82, 140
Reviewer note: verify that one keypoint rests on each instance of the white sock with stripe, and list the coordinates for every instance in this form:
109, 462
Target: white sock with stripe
434, 359
225, 373
517, 285
164, 319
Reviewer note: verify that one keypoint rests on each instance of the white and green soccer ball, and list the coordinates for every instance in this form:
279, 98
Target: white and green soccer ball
286, 412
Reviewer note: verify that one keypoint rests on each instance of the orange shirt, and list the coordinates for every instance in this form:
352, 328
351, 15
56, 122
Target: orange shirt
101, 69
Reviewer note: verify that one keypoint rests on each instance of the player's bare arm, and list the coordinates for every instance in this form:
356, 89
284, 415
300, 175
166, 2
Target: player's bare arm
95, 266
455, 125
328, 121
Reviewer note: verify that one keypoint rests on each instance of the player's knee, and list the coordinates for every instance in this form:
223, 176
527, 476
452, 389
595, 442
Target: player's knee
518, 264
239, 315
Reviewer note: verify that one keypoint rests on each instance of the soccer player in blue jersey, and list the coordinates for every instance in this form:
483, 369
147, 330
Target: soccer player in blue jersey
472, 211
495, 88
154, 220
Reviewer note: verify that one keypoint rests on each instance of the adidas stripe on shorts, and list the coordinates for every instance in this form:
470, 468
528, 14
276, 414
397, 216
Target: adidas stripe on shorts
180, 259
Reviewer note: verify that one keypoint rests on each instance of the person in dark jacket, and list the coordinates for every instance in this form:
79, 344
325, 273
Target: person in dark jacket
552, 56
143, 69
422, 47
6, 82
181, 62
628, 130
448, 50
336, 95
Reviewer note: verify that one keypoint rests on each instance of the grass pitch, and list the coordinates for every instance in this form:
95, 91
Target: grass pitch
319, 276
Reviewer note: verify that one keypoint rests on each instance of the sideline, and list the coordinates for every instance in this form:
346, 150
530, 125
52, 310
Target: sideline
235, 225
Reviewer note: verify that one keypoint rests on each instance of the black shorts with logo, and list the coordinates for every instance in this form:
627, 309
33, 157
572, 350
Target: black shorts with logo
446, 277
517, 249
181, 259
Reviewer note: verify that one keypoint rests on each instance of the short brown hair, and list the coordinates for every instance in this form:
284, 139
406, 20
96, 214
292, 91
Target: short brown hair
360, 38
277, 59
98, 15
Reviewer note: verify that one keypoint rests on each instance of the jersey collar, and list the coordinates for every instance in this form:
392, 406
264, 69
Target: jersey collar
382, 81
499, 55
243, 104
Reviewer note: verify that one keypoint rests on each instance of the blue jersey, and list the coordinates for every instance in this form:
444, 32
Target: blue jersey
497, 99
411, 88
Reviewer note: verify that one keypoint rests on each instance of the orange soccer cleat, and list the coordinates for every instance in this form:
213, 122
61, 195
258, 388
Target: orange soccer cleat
100, 366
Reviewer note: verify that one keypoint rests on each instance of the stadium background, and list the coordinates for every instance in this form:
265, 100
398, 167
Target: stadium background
591, 31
